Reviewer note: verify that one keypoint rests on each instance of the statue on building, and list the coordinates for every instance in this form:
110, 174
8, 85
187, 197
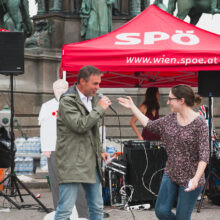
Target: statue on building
77, 6
193, 8
43, 30
215, 6
116, 7
144, 4
160, 4
135, 7
96, 18
171, 6
14, 16
43, 6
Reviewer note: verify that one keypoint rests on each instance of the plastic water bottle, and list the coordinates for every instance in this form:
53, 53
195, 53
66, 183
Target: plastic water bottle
24, 147
38, 146
28, 146
19, 145
43, 163
22, 166
33, 145
29, 165
17, 164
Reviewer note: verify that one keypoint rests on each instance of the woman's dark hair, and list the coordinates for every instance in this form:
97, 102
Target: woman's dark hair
86, 71
186, 92
150, 100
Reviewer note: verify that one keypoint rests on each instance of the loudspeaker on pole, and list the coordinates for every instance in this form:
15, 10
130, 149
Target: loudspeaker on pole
11, 53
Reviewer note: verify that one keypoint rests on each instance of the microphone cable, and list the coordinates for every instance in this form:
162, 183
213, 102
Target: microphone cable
119, 125
100, 95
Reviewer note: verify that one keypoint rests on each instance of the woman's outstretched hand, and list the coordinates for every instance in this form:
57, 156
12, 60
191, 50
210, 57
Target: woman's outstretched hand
127, 103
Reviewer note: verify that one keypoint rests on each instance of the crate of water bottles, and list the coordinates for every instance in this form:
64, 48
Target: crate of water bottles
24, 165
28, 147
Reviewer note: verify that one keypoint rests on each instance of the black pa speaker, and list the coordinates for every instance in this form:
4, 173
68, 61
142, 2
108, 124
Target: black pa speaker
208, 83
145, 163
11, 53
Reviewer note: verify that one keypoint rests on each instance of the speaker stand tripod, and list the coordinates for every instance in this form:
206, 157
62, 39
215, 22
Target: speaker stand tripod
211, 172
12, 178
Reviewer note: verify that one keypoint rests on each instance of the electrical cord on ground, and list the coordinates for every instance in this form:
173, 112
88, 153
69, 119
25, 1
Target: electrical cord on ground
122, 191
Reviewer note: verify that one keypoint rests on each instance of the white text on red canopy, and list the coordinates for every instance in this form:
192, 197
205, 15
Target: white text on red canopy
149, 38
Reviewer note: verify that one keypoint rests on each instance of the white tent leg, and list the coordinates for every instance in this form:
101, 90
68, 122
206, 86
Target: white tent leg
64, 75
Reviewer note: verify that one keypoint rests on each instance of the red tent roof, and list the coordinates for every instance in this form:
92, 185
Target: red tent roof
154, 48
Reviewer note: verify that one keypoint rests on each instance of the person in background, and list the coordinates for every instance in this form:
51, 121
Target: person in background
79, 149
185, 136
150, 107
48, 133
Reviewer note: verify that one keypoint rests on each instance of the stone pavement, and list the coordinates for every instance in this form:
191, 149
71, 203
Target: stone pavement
208, 211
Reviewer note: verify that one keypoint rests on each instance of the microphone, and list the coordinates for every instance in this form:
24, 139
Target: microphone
100, 95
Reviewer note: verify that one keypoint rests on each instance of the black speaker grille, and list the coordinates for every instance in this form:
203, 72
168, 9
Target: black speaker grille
11, 53
208, 83
134, 153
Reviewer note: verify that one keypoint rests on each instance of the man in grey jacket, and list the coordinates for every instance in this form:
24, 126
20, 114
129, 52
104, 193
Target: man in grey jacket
79, 149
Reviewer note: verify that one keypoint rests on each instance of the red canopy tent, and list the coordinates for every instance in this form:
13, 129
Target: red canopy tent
153, 49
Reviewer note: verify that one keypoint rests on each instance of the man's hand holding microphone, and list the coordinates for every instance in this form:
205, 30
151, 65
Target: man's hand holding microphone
104, 101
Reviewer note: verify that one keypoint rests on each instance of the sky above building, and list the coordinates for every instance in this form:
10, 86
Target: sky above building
207, 21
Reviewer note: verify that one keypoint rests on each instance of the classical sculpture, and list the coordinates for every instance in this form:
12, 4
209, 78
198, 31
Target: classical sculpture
144, 4
77, 6
43, 30
171, 6
160, 4
116, 7
135, 7
193, 8
215, 5
96, 18
43, 6
14, 16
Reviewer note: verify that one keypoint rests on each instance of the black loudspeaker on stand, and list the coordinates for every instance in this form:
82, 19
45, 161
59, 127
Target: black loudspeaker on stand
11, 53
12, 41
208, 86
145, 164
211, 171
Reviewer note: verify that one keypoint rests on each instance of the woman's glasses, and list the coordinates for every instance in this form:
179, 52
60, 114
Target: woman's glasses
170, 99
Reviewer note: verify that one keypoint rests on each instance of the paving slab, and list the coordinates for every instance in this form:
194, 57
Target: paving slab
31, 210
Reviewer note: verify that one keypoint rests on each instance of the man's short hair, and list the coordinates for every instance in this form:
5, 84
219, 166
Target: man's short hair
86, 71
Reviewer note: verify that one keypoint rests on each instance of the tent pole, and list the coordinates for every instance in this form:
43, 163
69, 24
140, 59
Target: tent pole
64, 75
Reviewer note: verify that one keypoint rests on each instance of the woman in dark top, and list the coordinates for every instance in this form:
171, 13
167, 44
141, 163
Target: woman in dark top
185, 136
150, 107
